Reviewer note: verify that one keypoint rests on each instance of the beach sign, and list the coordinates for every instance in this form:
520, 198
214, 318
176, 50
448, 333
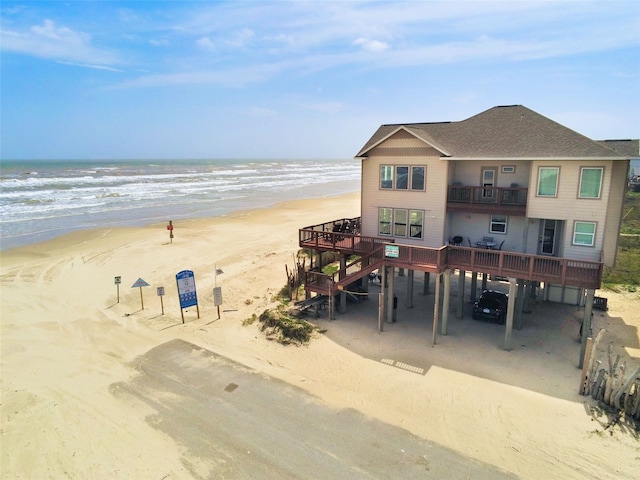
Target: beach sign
160, 291
217, 298
140, 283
118, 281
187, 291
391, 251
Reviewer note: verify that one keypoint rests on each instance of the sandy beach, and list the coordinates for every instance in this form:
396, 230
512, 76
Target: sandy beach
67, 345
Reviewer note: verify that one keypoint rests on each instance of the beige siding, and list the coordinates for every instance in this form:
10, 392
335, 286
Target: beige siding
468, 172
568, 207
404, 149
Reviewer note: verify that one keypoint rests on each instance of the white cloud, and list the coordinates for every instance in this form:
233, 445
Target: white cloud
56, 43
205, 43
371, 45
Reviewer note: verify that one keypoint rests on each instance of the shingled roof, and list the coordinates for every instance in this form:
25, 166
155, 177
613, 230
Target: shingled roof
501, 132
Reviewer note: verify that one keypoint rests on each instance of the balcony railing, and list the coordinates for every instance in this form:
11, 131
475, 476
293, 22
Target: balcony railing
557, 270
510, 200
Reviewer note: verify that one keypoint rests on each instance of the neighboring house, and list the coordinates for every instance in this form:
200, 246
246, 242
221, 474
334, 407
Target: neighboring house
507, 192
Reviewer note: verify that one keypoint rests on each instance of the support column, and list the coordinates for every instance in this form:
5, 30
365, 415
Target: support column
427, 280
343, 294
586, 324
508, 343
436, 309
390, 293
461, 282
474, 286
410, 288
445, 302
484, 281
381, 311
526, 307
383, 291
517, 321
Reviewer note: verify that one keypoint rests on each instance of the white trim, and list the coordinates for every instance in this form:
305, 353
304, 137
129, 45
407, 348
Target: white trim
386, 137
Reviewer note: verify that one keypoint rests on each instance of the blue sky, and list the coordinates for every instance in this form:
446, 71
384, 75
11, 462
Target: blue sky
262, 79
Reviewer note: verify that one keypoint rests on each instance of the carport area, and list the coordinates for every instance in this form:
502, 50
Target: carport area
546, 346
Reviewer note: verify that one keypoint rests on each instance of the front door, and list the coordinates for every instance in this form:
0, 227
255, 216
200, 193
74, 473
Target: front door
548, 237
488, 180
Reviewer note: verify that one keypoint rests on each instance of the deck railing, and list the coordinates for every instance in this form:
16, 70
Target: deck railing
513, 196
563, 271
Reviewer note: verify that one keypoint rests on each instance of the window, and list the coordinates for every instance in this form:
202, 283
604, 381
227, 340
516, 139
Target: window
584, 233
415, 223
386, 176
590, 182
498, 224
548, 181
400, 222
384, 221
402, 177
417, 178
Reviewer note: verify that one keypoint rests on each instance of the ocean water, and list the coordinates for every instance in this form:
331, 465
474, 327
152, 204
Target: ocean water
40, 200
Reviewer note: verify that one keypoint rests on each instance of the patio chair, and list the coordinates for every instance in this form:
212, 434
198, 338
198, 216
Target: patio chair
500, 246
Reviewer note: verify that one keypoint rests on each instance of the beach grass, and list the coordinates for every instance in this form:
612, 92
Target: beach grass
625, 275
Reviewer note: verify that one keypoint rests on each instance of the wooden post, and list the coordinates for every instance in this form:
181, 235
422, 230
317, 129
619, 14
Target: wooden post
436, 310
141, 299
585, 366
508, 344
380, 312
474, 286
586, 324
390, 293
445, 302
460, 305
425, 287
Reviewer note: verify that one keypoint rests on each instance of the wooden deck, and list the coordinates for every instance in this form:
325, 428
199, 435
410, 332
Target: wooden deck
555, 270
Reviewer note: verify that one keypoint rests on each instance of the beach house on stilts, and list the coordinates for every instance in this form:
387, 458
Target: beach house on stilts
507, 193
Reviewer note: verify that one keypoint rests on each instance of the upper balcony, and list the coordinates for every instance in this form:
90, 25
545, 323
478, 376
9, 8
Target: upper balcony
500, 200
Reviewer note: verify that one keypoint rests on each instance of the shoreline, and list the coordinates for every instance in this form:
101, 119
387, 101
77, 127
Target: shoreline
51, 236
70, 350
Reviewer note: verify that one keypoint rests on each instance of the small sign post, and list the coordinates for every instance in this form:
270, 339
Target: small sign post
187, 291
170, 228
217, 298
160, 291
118, 281
140, 283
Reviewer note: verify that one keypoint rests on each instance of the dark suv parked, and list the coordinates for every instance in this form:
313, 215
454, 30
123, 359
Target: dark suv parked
491, 306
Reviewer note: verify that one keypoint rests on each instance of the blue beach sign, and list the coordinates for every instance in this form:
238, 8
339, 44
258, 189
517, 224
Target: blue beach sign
187, 291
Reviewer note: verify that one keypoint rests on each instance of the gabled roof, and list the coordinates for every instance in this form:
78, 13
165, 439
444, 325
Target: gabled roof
501, 132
